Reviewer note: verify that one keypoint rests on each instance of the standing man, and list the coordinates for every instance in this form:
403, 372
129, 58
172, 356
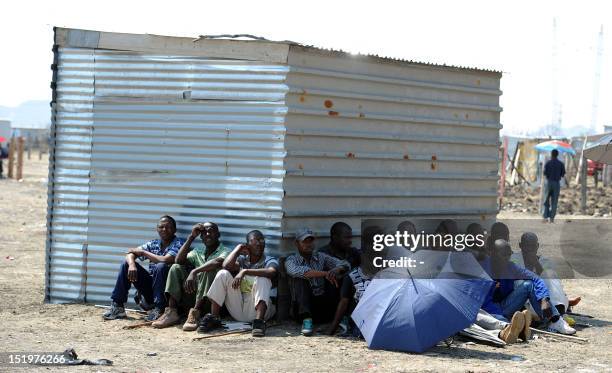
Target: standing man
191, 276
247, 294
554, 170
314, 280
151, 283
340, 245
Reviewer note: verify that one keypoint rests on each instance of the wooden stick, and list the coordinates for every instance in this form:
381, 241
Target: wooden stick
127, 309
580, 315
562, 336
138, 325
20, 142
221, 334
11, 158
229, 333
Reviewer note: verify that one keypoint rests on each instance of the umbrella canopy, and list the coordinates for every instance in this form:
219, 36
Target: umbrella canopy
561, 146
601, 151
400, 311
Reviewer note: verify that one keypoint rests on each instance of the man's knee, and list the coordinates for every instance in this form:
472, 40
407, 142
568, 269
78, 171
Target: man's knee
160, 267
223, 275
175, 268
124, 266
262, 282
526, 285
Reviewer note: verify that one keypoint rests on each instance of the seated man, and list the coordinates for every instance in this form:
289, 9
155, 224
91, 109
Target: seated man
514, 286
188, 285
357, 281
151, 283
247, 294
340, 244
529, 259
313, 297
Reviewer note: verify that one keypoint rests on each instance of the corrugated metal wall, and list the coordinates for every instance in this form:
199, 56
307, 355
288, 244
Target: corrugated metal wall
195, 138
371, 138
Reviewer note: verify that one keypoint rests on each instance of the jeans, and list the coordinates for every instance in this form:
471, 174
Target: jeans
552, 197
523, 291
150, 285
320, 308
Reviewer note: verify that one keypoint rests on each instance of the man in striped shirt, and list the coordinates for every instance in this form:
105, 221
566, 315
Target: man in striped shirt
314, 279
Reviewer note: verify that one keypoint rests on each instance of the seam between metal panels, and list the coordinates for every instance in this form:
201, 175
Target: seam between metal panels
382, 213
410, 175
392, 99
395, 118
394, 81
399, 194
386, 156
388, 137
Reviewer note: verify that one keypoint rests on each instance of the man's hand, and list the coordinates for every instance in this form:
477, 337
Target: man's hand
137, 252
190, 283
196, 230
238, 279
132, 273
331, 277
546, 308
243, 249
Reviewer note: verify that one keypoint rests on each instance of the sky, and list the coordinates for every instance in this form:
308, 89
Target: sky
515, 37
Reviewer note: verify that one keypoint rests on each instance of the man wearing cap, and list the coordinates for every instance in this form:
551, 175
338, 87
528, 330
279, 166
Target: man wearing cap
244, 285
314, 279
514, 286
191, 276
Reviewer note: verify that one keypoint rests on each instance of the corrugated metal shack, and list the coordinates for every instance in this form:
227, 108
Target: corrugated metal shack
252, 135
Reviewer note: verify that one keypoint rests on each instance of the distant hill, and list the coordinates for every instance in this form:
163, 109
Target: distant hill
29, 114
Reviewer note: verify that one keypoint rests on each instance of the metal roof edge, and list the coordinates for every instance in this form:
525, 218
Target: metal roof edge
389, 60
224, 46
272, 52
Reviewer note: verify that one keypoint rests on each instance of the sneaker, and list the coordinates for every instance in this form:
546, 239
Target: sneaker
169, 318
209, 322
142, 302
154, 314
560, 326
259, 328
192, 320
115, 311
525, 335
511, 332
307, 327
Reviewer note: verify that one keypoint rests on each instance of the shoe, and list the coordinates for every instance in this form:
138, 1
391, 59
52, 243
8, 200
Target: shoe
560, 326
259, 328
115, 311
307, 327
192, 320
209, 322
142, 302
154, 314
569, 320
511, 332
169, 318
525, 335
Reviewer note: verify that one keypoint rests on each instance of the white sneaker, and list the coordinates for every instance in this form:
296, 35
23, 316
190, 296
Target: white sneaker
561, 326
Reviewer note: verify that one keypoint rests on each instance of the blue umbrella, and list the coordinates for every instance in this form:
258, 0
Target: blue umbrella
561, 146
400, 311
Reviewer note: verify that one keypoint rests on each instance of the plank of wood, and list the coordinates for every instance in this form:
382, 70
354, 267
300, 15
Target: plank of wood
562, 336
137, 325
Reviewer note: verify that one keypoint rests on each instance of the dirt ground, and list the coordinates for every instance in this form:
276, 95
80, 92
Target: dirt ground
28, 324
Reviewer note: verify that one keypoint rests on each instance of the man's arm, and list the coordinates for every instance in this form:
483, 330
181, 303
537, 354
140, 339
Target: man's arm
562, 169
181, 256
230, 263
132, 271
332, 264
346, 292
190, 282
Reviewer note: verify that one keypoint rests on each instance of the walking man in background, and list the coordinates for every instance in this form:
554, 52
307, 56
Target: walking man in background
554, 170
